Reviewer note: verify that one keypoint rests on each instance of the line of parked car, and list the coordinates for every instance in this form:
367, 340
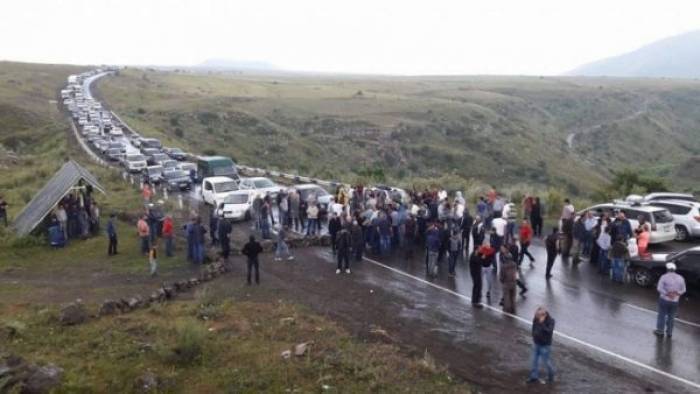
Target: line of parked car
670, 216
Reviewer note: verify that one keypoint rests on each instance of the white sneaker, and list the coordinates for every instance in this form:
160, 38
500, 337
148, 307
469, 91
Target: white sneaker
290, 258
337, 271
278, 259
347, 271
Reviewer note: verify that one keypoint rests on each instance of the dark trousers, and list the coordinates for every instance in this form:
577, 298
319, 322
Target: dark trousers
225, 247
3, 216
453, 261
465, 243
525, 252
476, 280
551, 256
536, 222
343, 257
253, 264
145, 244
112, 248
357, 251
334, 237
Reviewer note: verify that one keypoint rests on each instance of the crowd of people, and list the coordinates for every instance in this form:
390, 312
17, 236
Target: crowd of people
76, 216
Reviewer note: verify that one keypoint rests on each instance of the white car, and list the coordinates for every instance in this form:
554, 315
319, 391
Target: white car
663, 196
237, 205
216, 188
261, 185
314, 192
659, 219
686, 217
116, 132
135, 162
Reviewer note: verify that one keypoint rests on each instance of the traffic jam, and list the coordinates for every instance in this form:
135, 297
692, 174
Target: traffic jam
672, 219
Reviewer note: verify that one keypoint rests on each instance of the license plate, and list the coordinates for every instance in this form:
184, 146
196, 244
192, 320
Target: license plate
183, 185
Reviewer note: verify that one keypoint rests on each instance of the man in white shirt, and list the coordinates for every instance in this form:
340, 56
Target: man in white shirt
671, 287
499, 231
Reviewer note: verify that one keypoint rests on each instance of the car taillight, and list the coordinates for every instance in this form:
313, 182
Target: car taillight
697, 218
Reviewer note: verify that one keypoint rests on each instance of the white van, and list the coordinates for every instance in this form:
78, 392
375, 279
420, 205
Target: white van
659, 219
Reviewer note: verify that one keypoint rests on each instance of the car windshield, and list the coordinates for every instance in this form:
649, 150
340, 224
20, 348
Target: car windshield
236, 199
663, 216
115, 145
263, 183
226, 187
135, 158
170, 164
175, 174
114, 151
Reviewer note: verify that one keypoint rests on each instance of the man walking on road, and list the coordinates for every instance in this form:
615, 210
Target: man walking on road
252, 249
671, 287
542, 332
343, 250
224, 235
552, 246
475, 271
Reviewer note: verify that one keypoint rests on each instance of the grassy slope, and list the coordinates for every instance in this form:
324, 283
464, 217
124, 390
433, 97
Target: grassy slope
500, 130
239, 343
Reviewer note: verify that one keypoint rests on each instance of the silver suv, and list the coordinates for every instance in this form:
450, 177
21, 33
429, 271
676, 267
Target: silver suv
686, 216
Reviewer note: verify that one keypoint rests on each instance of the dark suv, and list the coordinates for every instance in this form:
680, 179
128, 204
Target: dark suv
646, 271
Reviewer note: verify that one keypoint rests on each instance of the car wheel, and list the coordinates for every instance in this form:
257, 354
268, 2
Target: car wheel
682, 233
643, 277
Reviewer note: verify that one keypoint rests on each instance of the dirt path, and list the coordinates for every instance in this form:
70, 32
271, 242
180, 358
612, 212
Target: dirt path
570, 139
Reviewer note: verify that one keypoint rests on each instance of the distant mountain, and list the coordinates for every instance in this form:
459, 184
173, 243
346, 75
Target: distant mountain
229, 64
673, 57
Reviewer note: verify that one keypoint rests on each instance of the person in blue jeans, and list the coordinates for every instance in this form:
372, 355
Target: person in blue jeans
619, 253
542, 333
671, 287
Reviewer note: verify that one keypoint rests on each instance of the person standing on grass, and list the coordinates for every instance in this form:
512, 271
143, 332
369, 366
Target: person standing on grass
552, 246
343, 250
112, 235
153, 258
282, 249
168, 235
146, 192
213, 225
144, 233
198, 232
475, 265
3, 210
671, 287
542, 333
508, 275
251, 250
525, 235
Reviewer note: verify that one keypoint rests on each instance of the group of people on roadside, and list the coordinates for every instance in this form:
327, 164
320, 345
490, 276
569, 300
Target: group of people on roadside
76, 216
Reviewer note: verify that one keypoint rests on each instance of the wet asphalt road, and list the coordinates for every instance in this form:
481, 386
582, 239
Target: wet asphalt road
610, 318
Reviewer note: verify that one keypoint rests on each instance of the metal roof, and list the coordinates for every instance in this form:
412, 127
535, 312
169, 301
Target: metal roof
55, 189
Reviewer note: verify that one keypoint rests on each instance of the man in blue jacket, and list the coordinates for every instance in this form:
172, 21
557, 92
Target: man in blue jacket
112, 235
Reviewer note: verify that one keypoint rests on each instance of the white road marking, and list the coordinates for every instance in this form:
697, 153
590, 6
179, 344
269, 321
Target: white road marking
653, 312
558, 333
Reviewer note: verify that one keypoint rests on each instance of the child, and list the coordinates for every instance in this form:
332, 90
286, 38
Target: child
153, 259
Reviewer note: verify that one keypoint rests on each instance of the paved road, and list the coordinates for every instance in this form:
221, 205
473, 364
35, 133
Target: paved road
612, 319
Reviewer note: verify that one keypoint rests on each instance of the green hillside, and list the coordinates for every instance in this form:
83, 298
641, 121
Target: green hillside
506, 131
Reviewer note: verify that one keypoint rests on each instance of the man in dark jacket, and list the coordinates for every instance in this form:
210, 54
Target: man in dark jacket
508, 275
552, 246
224, 235
343, 251
542, 332
252, 249
618, 254
358, 240
465, 225
112, 235
475, 271
334, 226
579, 238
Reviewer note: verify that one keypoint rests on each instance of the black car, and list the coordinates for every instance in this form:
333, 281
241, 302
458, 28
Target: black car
149, 152
177, 154
177, 180
646, 270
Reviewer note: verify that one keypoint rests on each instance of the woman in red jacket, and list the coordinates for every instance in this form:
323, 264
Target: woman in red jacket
168, 235
525, 239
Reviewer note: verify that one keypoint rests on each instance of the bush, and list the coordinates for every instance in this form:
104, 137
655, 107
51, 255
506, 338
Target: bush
179, 132
189, 344
141, 111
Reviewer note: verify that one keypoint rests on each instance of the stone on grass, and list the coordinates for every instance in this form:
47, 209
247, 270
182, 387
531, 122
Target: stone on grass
72, 314
109, 307
42, 379
300, 349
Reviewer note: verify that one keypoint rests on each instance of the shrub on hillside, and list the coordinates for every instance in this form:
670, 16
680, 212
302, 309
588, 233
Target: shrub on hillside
189, 344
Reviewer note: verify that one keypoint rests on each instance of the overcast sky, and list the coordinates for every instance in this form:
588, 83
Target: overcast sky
538, 37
